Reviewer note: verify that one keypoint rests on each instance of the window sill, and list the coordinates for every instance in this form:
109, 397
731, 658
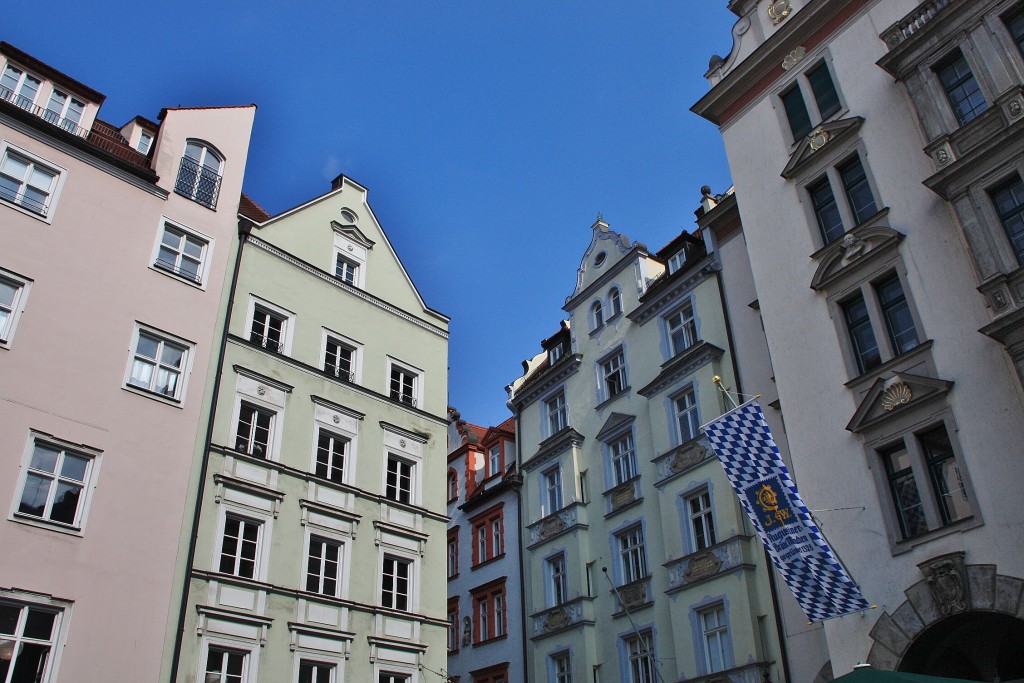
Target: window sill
197, 284
906, 545
503, 636
905, 358
175, 402
46, 217
489, 560
626, 391
40, 523
452, 577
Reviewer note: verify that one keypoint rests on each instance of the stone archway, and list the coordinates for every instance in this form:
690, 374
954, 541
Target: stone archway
961, 620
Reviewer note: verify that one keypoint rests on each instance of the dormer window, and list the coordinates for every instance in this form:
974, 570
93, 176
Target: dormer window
200, 174
676, 262
64, 110
145, 142
19, 87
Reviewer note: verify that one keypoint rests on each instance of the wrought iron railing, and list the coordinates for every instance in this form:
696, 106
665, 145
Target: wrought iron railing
269, 344
23, 200
340, 373
48, 115
913, 22
198, 183
178, 270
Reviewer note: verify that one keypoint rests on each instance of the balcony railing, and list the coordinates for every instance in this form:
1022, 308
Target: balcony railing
48, 115
269, 344
913, 22
198, 183
560, 617
172, 267
23, 200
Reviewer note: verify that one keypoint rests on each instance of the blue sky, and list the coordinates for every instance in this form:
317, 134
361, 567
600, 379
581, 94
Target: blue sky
489, 134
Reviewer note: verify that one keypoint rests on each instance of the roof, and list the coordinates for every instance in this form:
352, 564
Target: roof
251, 210
163, 112
47, 71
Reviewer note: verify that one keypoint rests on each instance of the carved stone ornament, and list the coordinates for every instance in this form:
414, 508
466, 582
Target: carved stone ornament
853, 247
779, 10
261, 390
999, 300
623, 495
681, 461
702, 566
1015, 108
552, 526
556, 619
946, 584
742, 25
336, 419
895, 396
819, 138
467, 630
942, 157
633, 595
793, 57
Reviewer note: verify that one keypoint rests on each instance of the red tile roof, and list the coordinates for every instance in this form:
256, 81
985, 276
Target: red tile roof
251, 210
47, 71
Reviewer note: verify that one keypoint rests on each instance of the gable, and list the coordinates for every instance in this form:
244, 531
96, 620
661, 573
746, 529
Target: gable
890, 398
602, 258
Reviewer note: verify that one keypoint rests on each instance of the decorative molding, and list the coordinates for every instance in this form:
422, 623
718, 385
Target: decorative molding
262, 379
683, 364
778, 10
552, 446
860, 248
547, 379
829, 134
895, 396
794, 57
873, 408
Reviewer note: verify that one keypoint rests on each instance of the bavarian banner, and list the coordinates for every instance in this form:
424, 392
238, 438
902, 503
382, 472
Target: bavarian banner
745, 447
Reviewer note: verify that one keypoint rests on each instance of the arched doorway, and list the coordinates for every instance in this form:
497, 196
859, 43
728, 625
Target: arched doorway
976, 646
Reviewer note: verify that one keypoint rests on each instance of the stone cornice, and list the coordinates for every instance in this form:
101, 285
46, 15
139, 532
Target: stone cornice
681, 365
552, 446
554, 375
667, 295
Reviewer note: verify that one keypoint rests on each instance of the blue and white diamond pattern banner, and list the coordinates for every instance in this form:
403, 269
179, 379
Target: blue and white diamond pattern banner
744, 445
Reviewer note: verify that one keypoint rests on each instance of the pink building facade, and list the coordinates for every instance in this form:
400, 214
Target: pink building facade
114, 245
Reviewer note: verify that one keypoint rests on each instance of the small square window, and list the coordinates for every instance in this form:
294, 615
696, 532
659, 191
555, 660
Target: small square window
182, 252
19, 87
56, 484
159, 364
346, 270
28, 183
240, 546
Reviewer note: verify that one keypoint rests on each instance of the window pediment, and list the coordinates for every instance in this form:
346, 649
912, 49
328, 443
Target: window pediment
847, 258
826, 136
682, 365
894, 396
353, 233
616, 422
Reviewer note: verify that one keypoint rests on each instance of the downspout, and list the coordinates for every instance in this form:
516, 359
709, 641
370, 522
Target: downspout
769, 565
522, 557
243, 235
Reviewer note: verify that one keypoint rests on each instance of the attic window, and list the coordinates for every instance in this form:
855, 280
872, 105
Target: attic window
677, 261
599, 259
348, 216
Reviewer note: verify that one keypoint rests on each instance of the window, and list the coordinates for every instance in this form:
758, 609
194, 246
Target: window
682, 329
494, 460
453, 486
182, 253
858, 193
268, 329
339, 359
819, 85
826, 211
557, 413
596, 315
145, 142
961, 88
865, 348
553, 490
28, 637
558, 580
453, 624
928, 453
1015, 25
398, 485
453, 553
395, 583
701, 522
561, 667
56, 485
158, 364
330, 455
641, 658
615, 301
676, 261
879, 322
898, 321
403, 385
315, 672
488, 534
392, 678
239, 548
346, 270
623, 458
200, 174
255, 427
322, 566
858, 203
28, 183
715, 634
613, 371
1008, 199
225, 666
632, 555
64, 111
489, 611
13, 296
687, 421
19, 87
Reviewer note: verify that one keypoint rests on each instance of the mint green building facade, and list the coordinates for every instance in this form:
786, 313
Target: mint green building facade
321, 479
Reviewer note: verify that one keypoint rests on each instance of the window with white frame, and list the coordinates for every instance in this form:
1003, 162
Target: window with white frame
684, 406
323, 566
199, 175
613, 374
182, 252
676, 261
224, 665
879, 322
240, 546
28, 182
682, 328
315, 672
615, 302
926, 456
632, 554
158, 364
814, 87
561, 668
56, 484
396, 583
558, 580
494, 460
13, 297
453, 486
453, 624
552, 490
19, 87
346, 270
489, 613
399, 479
387, 677
499, 614
403, 385
557, 413
640, 649
715, 636
145, 142
453, 553
255, 430
488, 534
64, 110
837, 213
331, 453
29, 633
596, 315
339, 359
268, 328
702, 524
623, 459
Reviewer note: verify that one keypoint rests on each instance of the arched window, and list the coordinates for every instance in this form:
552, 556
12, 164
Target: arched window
615, 301
200, 174
597, 315
453, 485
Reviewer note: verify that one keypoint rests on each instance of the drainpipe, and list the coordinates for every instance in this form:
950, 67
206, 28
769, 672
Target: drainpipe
522, 557
243, 234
